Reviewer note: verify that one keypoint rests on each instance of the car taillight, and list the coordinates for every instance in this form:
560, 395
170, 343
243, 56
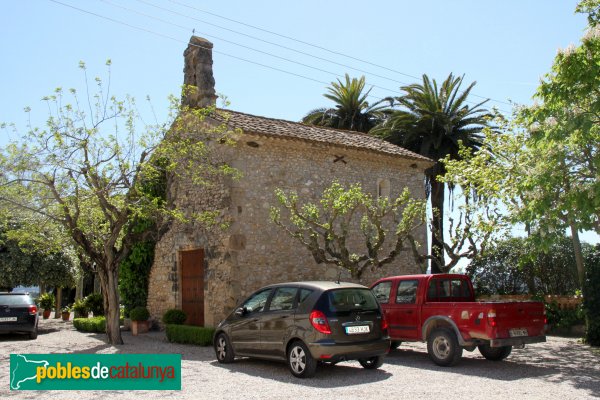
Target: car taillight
491, 315
384, 324
319, 322
32, 309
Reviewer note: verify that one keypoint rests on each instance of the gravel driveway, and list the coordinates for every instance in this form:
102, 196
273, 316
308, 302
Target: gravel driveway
559, 369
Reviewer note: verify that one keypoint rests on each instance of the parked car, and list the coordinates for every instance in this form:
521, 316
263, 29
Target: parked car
304, 323
18, 313
441, 310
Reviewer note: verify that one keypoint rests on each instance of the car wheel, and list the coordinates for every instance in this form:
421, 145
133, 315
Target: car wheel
443, 348
223, 349
33, 335
372, 362
300, 361
494, 353
395, 344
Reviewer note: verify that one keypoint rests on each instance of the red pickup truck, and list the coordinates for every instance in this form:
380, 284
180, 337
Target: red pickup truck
441, 309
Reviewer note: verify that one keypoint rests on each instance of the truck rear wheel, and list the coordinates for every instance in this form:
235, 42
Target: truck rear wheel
494, 353
443, 347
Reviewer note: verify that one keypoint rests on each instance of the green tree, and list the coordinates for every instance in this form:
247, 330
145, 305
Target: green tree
325, 227
432, 121
352, 111
85, 172
519, 266
29, 266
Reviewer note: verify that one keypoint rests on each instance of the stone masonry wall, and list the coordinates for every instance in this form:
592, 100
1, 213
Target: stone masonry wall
254, 252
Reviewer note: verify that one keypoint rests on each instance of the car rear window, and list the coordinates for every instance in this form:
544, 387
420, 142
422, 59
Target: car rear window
350, 299
15, 300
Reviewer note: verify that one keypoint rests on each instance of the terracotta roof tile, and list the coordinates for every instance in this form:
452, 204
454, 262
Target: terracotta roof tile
280, 128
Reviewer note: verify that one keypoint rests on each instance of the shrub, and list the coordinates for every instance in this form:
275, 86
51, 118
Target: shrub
47, 301
95, 303
174, 317
134, 273
190, 334
591, 297
564, 319
139, 314
80, 309
96, 324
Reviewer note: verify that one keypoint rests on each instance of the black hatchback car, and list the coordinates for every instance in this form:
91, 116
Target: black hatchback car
18, 313
304, 323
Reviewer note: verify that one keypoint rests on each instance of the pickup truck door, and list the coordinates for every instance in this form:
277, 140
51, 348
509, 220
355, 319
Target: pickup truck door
403, 312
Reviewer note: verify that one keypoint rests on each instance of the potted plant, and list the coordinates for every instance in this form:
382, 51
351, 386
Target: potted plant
66, 313
139, 320
47, 304
80, 309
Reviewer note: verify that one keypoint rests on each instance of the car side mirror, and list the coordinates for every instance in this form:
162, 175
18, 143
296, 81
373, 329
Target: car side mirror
240, 311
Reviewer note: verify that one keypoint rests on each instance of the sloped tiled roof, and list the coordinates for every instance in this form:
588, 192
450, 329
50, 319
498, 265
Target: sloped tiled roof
279, 128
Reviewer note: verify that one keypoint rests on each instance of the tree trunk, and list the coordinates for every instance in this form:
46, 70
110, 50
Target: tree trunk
437, 222
58, 310
109, 278
578, 253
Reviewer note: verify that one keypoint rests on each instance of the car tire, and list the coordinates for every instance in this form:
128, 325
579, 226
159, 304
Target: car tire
300, 362
223, 349
443, 347
395, 344
494, 353
371, 362
33, 335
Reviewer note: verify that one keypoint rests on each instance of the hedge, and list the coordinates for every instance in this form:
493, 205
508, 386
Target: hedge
175, 317
95, 324
190, 334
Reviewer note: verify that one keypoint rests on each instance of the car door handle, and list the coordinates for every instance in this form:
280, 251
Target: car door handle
409, 312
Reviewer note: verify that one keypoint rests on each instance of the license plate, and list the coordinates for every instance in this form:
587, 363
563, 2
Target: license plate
8, 319
517, 332
354, 330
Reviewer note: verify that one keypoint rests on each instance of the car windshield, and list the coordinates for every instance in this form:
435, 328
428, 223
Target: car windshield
12, 300
351, 299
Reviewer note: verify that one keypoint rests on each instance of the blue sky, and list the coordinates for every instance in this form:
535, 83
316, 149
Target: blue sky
503, 45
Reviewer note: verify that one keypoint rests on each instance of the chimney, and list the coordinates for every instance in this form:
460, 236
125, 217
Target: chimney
197, 72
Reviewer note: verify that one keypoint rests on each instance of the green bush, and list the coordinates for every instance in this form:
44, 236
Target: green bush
47, 301
591, 297
139, 314
564, 319
135, 272
96, 324
80, 309
174, 317
190, 334
95, 303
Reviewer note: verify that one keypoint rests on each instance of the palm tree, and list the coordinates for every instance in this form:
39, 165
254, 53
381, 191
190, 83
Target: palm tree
352, 110
432, 121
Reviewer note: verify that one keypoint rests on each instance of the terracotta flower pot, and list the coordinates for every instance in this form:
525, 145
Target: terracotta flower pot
66, 316
139, 327
46, 314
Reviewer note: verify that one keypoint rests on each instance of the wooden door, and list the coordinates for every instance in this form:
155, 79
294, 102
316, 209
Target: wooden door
192, 286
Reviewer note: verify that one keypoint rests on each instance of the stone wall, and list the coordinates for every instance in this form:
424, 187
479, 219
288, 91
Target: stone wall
254, 252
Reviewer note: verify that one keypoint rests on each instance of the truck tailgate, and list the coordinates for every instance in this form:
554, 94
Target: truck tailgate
516, 319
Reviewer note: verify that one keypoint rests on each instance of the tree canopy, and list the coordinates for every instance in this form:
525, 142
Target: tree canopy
352, 111
431, 121
325, 227
85, 171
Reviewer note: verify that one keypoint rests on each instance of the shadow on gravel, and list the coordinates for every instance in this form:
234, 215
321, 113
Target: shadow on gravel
574, 364
328, 376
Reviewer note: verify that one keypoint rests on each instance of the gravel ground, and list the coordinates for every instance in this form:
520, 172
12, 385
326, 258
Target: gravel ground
561, 369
